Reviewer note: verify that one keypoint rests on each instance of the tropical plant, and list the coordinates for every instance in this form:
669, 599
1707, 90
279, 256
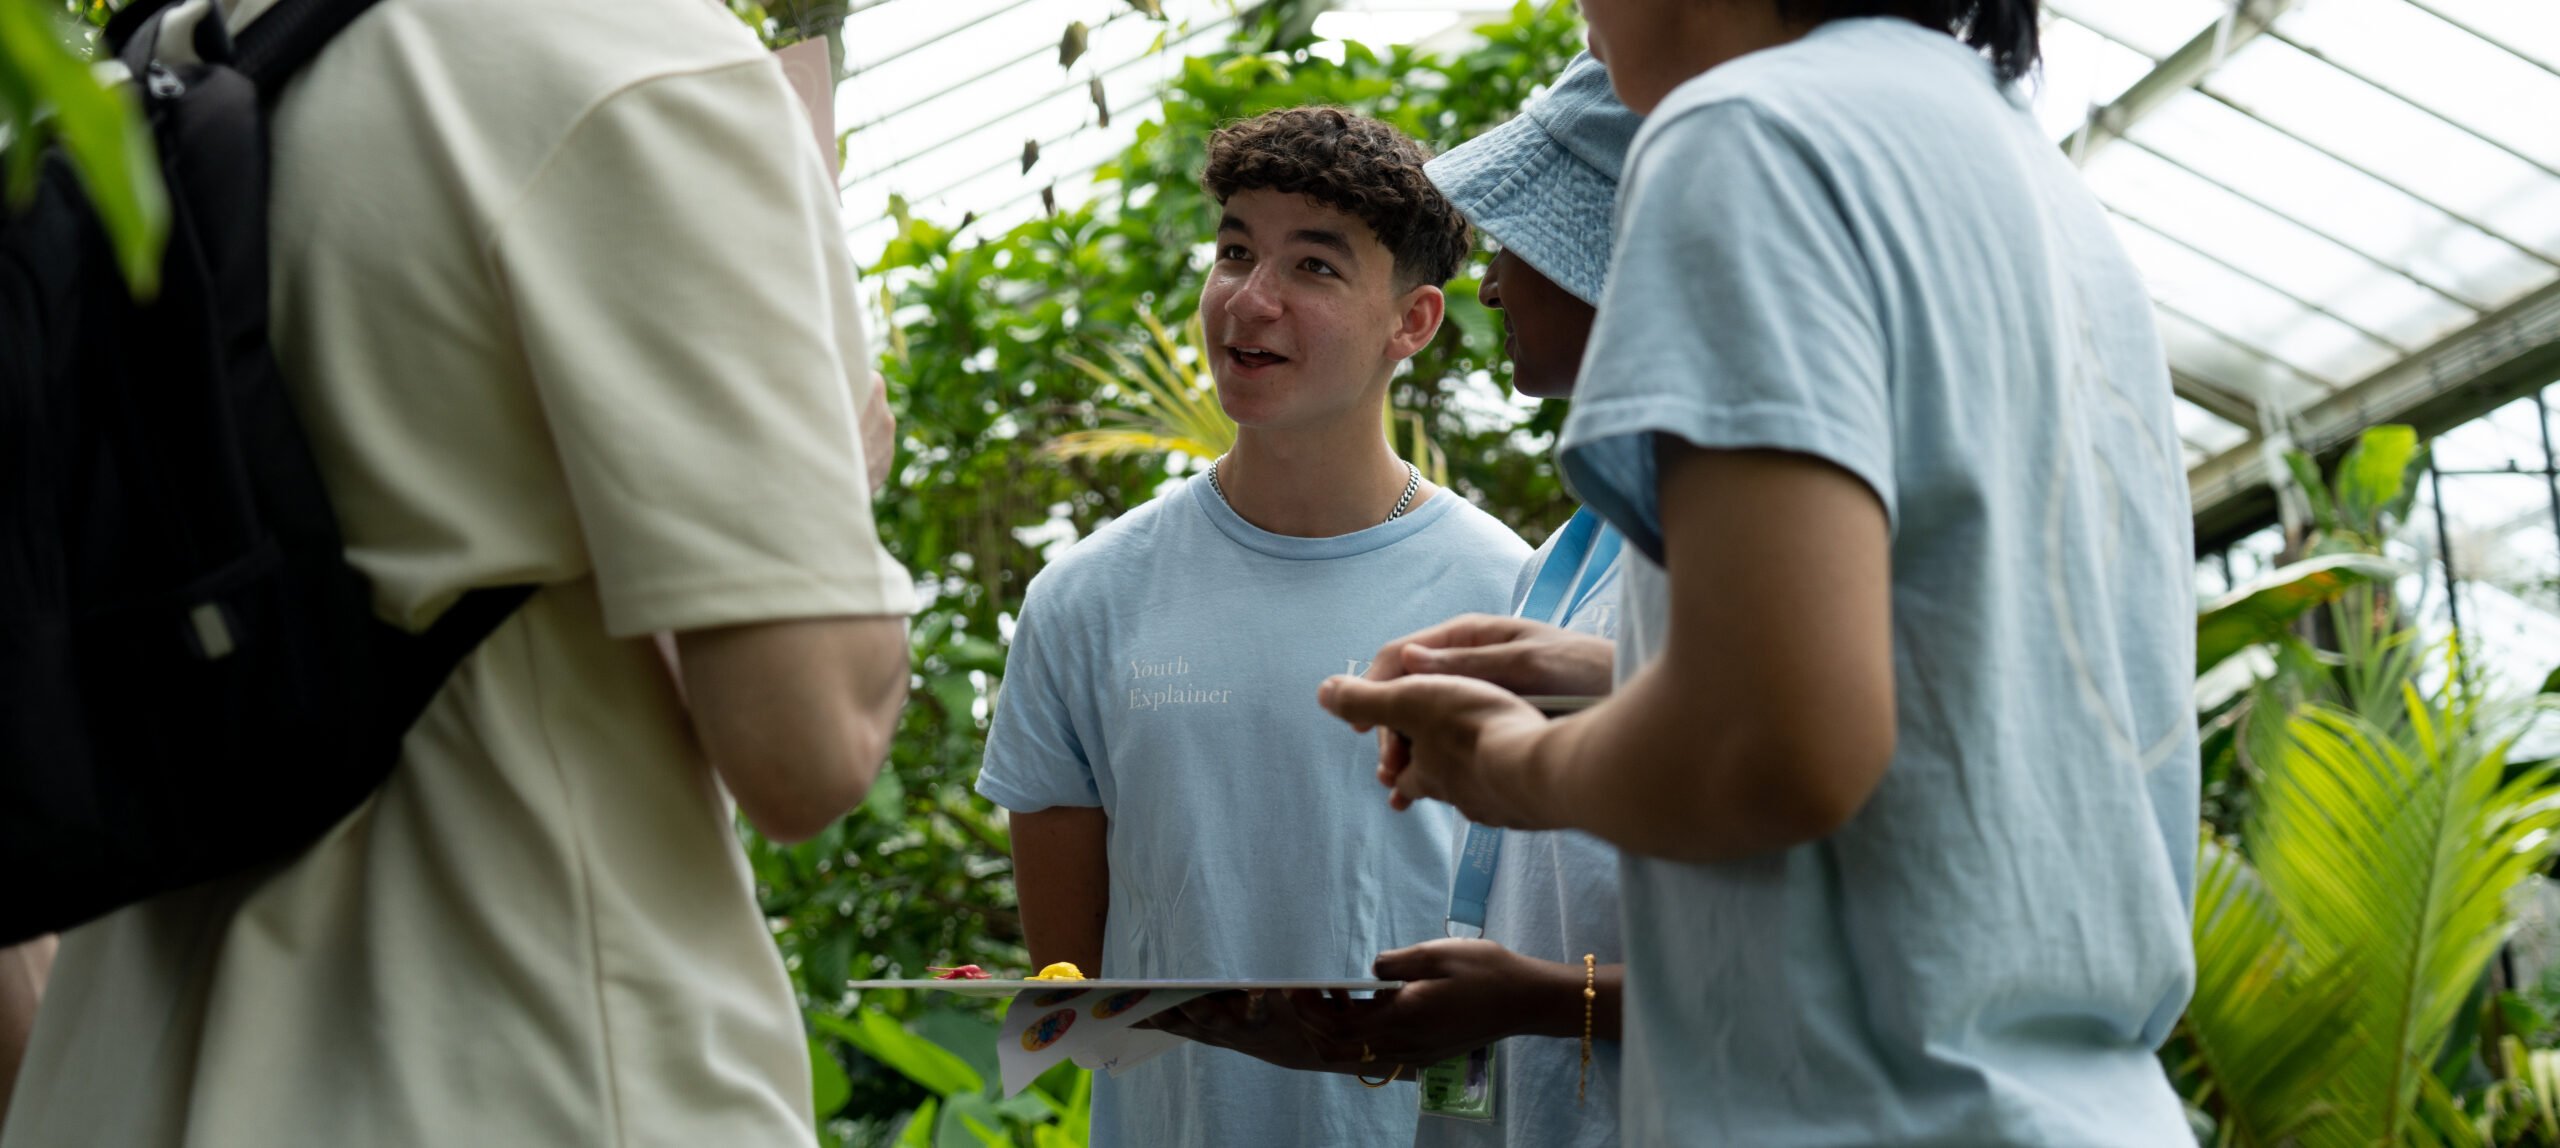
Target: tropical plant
949, 1055
2336, 958
49, 94
1169, 405
2348, 910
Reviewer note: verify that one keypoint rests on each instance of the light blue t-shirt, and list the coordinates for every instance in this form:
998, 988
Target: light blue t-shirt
1555, 898
1858, 247
1165, 669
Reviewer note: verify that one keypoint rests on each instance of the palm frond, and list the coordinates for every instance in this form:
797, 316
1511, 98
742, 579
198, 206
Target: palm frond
2268, 1033
1122, 442
2391, 855
1168, 403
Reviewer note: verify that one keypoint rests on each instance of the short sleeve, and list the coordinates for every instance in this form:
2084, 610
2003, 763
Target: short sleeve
678, 279
1740, 314
1035, 760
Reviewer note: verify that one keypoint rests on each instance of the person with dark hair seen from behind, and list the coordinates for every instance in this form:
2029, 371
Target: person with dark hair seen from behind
1901, 754
1179, 809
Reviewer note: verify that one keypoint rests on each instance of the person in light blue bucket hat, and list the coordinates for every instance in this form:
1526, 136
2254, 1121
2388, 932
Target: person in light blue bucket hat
1495, 1021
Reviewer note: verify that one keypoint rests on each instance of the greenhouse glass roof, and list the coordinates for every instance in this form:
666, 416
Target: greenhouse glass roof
2348, 211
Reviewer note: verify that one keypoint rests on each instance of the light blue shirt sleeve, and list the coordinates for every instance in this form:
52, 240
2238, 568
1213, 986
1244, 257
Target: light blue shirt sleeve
1035, 758
1742, 315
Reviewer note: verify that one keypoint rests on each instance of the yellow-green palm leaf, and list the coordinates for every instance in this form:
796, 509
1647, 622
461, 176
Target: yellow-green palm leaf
2390, 855
2266, 1033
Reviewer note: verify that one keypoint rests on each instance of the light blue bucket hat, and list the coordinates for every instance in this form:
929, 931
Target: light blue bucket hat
1545, 183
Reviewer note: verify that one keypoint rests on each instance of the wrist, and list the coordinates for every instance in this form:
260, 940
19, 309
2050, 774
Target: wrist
1555, 994
1543, 797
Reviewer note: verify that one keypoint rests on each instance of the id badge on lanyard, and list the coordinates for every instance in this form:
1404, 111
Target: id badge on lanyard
1461, 1088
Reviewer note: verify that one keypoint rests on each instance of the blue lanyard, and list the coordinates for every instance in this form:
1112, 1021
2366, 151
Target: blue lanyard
1583, 553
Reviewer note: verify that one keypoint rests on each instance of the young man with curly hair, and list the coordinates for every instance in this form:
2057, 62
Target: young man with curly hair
1181, 809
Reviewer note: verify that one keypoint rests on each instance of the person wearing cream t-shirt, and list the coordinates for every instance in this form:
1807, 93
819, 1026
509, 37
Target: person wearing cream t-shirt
561, 292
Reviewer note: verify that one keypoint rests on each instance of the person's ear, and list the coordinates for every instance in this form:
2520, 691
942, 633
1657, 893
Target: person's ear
1424, 307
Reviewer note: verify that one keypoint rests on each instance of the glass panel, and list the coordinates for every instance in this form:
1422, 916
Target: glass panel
2171, 200
2435, 64
2333, 198
2421, 153
2256, 554
2213, 358
2253, 315
2505, 549
2205, 430
2082, 70
966, 145
2153, 27
2531, 29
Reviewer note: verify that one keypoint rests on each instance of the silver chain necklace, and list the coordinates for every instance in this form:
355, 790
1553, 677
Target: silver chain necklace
1412, 483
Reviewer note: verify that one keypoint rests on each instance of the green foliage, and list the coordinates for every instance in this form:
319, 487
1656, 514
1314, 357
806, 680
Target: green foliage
2365, 833
2339, 959
984, 336
1171, 403
2265, 610
950, 1056
2369, 497
47, 93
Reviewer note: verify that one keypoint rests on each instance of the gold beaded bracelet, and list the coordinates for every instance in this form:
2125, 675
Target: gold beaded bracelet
1590, 993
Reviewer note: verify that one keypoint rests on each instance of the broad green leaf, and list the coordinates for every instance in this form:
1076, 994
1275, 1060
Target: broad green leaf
2261, 610
918, 1132
885, 1040
2374, 474
828, 1086
969, 1036
970, 1120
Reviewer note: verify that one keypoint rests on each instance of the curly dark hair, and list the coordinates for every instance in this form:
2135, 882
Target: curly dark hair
1352, 164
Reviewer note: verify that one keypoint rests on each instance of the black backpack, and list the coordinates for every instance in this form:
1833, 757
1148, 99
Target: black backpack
192, 679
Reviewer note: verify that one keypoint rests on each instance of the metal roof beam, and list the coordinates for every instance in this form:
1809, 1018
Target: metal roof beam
2217, 400
2510, 352
2182, 70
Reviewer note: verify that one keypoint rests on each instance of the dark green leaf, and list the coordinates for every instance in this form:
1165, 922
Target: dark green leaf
828, 1087
912, 1056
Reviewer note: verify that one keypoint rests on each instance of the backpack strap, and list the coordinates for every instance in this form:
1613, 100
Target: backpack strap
283, 39
415, 666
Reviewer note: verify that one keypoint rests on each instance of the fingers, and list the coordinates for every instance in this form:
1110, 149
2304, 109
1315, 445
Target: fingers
1412, 963
1511, 665
1463, 630
1364, 703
